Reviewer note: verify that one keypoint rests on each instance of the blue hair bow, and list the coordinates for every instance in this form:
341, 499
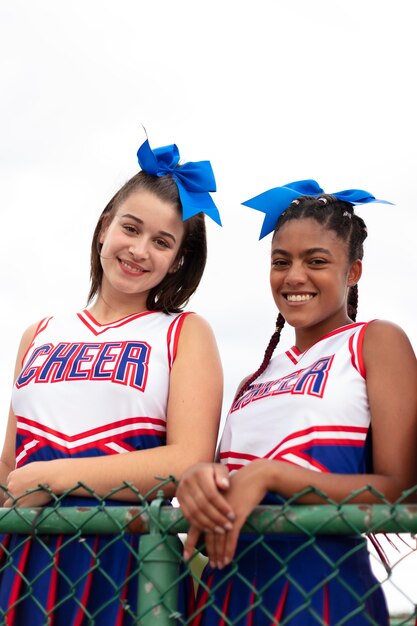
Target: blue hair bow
274, 201
194, 180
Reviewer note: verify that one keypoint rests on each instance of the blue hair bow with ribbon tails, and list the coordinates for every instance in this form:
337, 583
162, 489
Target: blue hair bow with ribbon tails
274, 201
194, 179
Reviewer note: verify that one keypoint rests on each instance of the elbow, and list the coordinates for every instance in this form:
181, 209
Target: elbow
401, 491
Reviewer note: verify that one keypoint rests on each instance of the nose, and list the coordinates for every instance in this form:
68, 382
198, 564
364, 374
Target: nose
139, 249
296, 274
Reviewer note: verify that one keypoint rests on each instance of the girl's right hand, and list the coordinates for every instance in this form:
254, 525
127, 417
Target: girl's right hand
201, 500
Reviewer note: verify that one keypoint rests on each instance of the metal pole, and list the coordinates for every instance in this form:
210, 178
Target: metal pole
159, 558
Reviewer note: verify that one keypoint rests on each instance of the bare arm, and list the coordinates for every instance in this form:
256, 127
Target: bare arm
7, 459
193, 414
8, 455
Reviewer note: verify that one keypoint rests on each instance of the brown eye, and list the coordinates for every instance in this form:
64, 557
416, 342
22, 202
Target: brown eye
128, 228
161, 243
318, 262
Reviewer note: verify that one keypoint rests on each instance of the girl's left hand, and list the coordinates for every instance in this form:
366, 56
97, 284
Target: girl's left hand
27, 478
200, 494
248, 487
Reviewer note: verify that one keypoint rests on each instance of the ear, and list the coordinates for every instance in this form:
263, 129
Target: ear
355, 272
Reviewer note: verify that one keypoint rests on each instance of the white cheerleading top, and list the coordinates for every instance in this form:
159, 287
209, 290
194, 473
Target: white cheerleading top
307, 408
89, 389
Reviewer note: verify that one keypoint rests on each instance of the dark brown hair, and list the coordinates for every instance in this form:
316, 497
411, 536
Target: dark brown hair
174, 291
335, 215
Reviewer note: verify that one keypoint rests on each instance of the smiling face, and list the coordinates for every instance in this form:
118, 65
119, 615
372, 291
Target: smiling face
140, 245
310, 278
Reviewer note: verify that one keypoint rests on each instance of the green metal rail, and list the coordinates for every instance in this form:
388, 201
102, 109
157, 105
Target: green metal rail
317, 519
160, 547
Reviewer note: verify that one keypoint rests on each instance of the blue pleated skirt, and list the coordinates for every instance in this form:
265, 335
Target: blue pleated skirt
293, 581
66, 580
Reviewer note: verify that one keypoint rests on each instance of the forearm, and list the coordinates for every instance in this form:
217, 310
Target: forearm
142, 468
288, 479
4, 472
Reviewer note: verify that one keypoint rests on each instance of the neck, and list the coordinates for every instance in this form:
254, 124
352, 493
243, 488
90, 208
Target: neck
307, 337
106, 310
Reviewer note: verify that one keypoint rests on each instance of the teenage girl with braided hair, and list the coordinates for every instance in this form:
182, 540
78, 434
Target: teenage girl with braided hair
302, 423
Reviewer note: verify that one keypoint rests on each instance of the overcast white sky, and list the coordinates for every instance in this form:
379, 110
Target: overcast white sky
270, 91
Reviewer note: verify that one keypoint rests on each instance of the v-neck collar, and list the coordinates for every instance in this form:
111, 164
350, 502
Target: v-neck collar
295, 355
97, 329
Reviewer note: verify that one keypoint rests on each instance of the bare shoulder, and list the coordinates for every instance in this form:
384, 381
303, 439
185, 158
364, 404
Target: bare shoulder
196, 326
386, 340
197, 338
30, 331
243, 382
29, 334
386, 331
197, 357
27, 338
194, 320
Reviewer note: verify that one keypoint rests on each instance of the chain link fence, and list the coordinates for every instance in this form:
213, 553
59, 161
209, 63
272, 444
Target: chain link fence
102, 561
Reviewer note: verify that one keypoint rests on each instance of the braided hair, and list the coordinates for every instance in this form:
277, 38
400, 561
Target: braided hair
333, 214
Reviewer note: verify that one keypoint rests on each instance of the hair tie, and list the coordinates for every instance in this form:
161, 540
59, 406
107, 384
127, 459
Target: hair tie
193, 179
275, 201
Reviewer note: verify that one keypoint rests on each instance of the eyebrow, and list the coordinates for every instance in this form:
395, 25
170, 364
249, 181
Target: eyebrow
141, 222
304, 253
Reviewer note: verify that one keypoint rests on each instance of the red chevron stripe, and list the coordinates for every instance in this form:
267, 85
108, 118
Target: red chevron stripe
97, 329
44, 441
304, 457
317, 429
31, 424
238, 455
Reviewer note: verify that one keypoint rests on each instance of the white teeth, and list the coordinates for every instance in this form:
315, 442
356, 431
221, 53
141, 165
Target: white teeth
132, 269
299, 297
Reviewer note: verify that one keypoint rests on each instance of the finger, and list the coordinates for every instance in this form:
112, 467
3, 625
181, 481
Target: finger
212, 494
219, 543
202, 510
209, 540
202, 488
191, 542
221, 476
15, 502
231, 540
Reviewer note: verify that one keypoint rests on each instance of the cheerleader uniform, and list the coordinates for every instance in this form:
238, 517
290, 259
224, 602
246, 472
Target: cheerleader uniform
309, 409
85, 390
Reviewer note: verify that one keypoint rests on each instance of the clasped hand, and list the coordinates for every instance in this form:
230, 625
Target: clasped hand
26, 479
217, 504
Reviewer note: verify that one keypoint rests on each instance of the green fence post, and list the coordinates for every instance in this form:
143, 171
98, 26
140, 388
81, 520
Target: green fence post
159, 556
